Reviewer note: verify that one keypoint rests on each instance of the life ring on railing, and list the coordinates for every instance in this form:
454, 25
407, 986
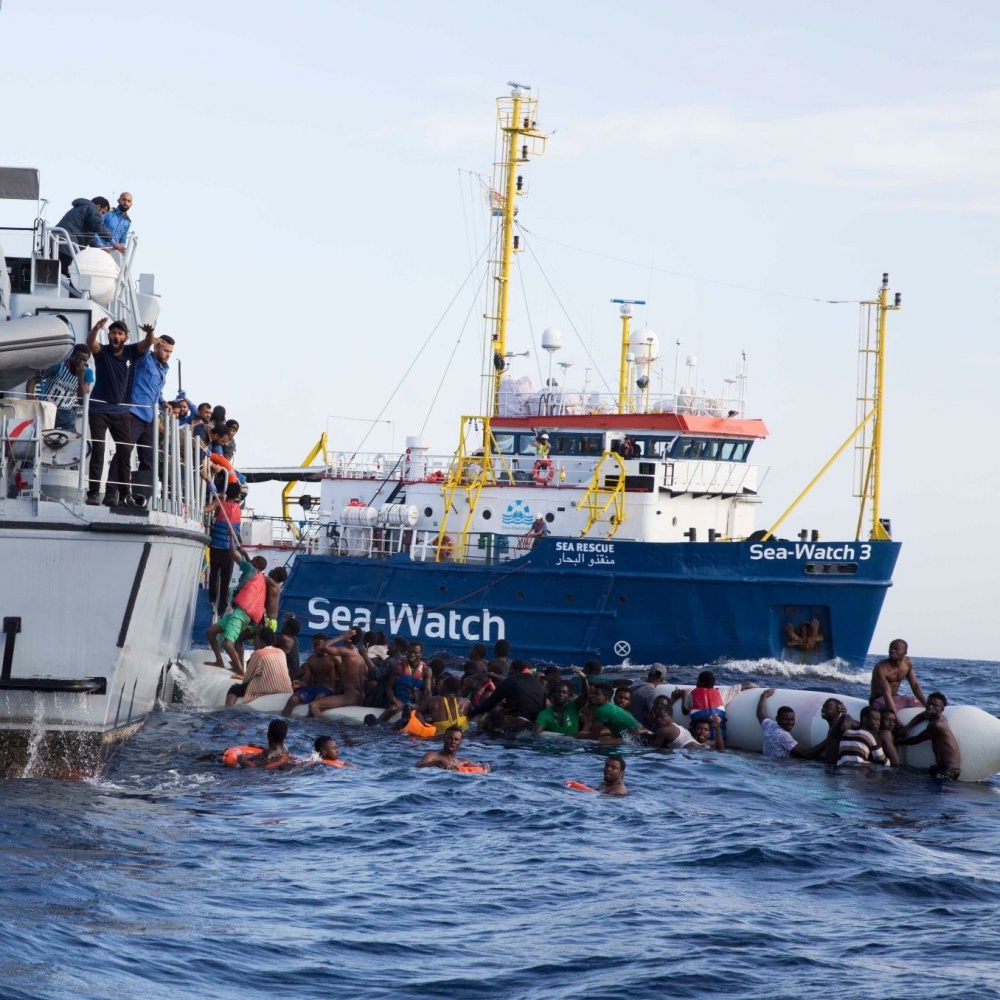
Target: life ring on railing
444, 548
379, 464
543, 472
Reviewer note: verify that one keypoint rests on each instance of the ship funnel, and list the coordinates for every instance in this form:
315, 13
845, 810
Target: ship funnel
30, 345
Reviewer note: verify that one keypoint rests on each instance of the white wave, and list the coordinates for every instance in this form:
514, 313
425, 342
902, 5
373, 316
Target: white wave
832, 670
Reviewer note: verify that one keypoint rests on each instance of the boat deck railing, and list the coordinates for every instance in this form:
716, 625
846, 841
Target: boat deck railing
559, 402
566, 471
41, 461
489, 548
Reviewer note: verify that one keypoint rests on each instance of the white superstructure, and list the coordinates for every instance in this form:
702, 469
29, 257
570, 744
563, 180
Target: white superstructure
96, 602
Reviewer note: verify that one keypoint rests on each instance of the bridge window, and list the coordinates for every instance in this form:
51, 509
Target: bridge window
505, 443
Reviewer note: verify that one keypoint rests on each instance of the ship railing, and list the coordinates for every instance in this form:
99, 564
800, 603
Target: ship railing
55, 241
557, 402
41, 460
421, 545
726, 478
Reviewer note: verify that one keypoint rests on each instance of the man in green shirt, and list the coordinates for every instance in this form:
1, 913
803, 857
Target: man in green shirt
563, 716
610, 716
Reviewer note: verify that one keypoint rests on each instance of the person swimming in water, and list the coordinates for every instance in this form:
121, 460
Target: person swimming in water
325, 749
614, 776
446, 758
276, 752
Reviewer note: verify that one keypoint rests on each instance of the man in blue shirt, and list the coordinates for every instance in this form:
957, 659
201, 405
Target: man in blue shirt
114, 370
118, 222
147, 401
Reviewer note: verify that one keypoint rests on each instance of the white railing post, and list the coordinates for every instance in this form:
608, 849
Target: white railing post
154, 490
82, 484
175, 443
189, 488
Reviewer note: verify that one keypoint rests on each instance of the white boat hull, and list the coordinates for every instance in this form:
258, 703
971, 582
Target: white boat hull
977, 732
103, 608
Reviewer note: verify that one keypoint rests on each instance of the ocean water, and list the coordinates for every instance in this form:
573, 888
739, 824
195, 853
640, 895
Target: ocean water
720, 875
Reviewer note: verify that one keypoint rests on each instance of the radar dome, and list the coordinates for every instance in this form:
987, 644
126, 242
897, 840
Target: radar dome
551, 339
644, 344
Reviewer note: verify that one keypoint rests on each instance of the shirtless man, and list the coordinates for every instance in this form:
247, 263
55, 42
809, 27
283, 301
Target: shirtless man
947, 756
888, 674
273, 581
614, 776
319, 676
446, 758
325, 748
352, 668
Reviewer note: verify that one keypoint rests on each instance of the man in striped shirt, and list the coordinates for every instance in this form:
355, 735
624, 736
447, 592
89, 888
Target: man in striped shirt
65, 385
266, 672
861, 745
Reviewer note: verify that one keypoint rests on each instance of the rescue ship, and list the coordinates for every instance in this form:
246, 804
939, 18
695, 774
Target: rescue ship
580, 525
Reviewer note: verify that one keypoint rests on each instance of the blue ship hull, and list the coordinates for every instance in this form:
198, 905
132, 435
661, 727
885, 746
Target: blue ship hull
570, 600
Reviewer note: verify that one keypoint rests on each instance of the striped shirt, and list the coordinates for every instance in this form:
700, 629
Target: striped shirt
61, 386
858, 746
267, 673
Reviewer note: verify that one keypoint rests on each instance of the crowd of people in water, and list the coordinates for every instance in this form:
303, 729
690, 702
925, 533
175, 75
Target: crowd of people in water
505, 696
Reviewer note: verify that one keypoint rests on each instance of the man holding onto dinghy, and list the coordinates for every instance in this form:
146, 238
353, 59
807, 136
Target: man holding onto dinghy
889, 674
947, 756
778, 739
351, 669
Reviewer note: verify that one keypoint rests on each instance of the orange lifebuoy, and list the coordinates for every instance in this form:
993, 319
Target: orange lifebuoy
332, 763
232, 755
474, 769
445, 546
223, 463
543, 472
579, 786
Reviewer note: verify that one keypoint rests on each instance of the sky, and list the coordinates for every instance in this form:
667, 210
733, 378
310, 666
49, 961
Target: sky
304, 193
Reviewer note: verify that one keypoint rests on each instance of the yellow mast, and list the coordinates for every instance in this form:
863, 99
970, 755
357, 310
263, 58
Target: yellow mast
873, 478
472, 469
516, 121
871, 409
626, 314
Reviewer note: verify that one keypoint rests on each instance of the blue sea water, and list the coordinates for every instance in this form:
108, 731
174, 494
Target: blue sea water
720, 875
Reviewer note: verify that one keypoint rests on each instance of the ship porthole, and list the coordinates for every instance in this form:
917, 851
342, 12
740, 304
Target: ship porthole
674, 522
569, 598
428, 511
623, 599
487, 513
550, 517
520, 595
442, 590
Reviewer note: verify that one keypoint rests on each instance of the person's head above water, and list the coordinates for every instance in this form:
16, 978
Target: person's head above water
614, 769
326, 747
451, 740
276, 732
785, 718
701, 730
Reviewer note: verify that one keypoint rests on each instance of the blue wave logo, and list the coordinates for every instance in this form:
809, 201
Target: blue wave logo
518, 515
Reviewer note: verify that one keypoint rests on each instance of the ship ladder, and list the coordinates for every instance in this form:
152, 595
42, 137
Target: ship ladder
605, 496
